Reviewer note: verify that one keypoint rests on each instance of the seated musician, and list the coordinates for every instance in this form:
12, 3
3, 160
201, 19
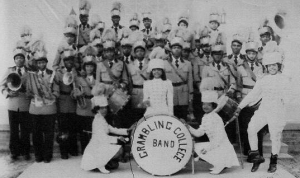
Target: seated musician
102, 148
218, 151
158, 91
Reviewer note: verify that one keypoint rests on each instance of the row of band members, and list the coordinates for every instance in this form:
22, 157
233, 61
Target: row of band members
235, 75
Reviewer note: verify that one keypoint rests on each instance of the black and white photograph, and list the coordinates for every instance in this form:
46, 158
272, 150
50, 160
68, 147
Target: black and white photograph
150, 88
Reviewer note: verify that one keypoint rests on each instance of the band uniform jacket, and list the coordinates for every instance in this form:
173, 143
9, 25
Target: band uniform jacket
21, 102
231, 59
246, 81
118, 70
66, 104
138, 77
86, 84
183, 90
223, 77
84, 34
127, 60
37, 106
198, 64
118, 31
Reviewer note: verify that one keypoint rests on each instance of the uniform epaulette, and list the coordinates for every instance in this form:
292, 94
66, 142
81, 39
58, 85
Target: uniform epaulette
230, 56
260, 48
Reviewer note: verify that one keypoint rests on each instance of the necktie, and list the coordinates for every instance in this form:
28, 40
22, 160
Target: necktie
19, 71
207, 58
147, 31
110, 64
42, 73
219, 66
252, 67
141, 66
126, 60
116, 30
235, 60
177, 63
83, 27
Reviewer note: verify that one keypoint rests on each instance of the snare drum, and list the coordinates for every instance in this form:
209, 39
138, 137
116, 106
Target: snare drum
227, 105
161, 144
118, 100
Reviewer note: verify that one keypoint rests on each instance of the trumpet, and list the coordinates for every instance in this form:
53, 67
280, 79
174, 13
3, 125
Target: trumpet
68, 79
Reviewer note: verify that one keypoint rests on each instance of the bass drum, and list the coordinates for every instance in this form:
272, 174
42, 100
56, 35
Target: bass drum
161, 144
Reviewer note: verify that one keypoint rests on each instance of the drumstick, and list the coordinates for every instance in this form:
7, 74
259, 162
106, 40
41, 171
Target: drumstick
126, 139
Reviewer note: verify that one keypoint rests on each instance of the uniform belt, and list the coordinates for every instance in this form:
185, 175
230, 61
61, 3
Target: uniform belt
88, 96
65, 93
248, 86
178, 84
107, 82
137, 86
218, 88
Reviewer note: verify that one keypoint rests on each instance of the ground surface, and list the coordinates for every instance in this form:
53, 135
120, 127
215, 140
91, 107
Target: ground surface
13, 169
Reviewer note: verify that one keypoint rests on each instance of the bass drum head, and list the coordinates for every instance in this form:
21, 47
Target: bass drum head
161, 144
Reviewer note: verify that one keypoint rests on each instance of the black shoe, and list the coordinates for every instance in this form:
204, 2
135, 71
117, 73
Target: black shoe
14, 157
64, 156
273, 163
38, 159
74, 154
257, 160
47, 160
27, 157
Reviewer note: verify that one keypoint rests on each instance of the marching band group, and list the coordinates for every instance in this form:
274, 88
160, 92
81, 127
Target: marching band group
164, 69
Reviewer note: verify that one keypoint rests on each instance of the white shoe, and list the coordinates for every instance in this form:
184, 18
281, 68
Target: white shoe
196, 159
211, 169
217, 170
103, 170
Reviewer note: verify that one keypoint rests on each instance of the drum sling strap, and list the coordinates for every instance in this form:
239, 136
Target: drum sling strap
246, 66
176, 72
110, 73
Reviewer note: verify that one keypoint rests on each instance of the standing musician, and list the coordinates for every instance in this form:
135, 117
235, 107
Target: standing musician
223, 75
202, 58
69, 41
96, 42
126, 46
13, 88
179, 71
25, 43
44, 91
138, 75
84, 28
134, 22
236, 58
116, 17
84, 107
249, 72
160, 51
111, 71
147, 21
67, 137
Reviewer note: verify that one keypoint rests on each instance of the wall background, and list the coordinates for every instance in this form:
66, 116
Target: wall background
46, 18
